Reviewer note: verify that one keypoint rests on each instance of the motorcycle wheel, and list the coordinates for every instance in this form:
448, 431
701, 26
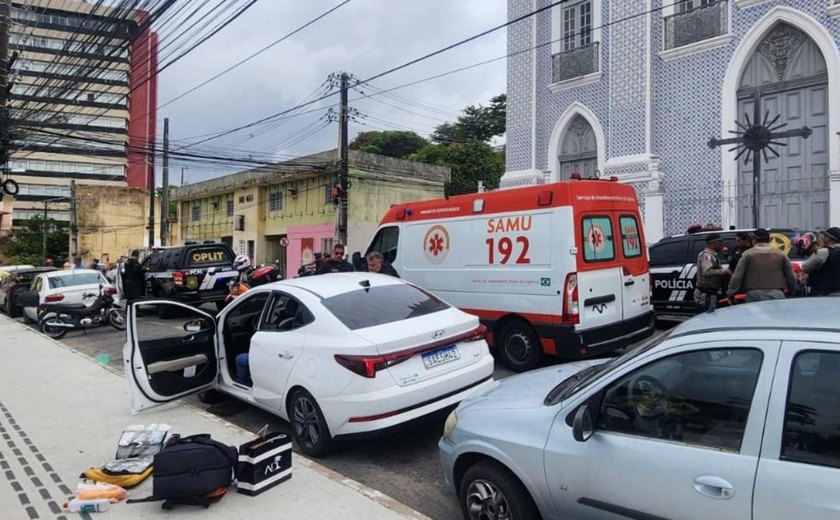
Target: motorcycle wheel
10, 187
54, 331
116, 318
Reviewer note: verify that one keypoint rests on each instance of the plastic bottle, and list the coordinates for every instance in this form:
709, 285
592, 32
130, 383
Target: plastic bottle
87, 506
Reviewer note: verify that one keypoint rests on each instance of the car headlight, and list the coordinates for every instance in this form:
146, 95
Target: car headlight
450, 424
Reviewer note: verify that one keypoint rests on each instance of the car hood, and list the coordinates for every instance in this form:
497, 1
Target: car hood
524, 390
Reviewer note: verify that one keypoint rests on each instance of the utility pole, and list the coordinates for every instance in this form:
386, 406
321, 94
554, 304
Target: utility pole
164, 196
74, 224
151, 186
5, 123
182, 175
343, 163
44, 232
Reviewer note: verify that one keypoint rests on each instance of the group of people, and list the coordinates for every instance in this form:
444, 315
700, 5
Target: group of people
337, 263
763, 272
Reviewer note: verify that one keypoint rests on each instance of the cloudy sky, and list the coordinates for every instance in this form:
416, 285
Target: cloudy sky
363, 38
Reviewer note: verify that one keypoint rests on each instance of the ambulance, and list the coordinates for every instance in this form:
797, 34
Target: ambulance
551, 270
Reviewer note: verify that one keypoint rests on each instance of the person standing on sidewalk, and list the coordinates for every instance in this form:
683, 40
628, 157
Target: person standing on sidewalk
823, 267
710, 275
763, 272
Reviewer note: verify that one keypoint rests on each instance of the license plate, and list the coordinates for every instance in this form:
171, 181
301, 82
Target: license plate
441, 356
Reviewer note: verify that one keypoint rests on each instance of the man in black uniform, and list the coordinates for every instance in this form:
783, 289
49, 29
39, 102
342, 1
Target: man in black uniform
132, 277
823, 267
743, 241
336, 263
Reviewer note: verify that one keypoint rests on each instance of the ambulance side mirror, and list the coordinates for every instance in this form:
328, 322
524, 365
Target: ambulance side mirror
359, 263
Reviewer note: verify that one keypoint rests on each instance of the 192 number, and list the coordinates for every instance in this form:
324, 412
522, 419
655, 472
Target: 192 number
505, 246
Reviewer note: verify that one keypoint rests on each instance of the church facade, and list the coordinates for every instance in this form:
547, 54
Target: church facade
637, 88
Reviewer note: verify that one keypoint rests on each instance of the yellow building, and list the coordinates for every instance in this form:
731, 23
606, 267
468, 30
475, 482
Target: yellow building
286, 213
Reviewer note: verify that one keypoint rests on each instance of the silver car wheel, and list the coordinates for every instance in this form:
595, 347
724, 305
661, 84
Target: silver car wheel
485, 501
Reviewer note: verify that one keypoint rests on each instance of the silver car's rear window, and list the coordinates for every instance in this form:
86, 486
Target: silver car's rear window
379, 305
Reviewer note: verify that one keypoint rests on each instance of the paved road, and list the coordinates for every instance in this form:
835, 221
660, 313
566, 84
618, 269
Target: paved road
404, 466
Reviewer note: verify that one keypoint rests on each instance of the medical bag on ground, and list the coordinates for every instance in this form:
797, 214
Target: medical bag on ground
263, 463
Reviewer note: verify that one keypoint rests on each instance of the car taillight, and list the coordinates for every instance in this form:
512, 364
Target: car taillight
52, 298
178, 279
367, 366
110, 291
571, 308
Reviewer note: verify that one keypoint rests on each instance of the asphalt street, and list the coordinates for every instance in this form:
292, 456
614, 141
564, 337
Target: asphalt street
403, 465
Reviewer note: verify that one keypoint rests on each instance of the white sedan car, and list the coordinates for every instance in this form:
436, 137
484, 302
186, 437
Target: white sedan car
336, 355
67, 287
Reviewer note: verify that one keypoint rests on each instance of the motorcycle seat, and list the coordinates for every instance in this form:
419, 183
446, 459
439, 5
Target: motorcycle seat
64, 306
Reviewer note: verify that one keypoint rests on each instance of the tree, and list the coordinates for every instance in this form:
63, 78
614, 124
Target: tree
25, 243
469, 162
477, 123
397, 144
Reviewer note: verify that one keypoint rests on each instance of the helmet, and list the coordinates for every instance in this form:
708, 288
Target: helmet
241, 263
804, 242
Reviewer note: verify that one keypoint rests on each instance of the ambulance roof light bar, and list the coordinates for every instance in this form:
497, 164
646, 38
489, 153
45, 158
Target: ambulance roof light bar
576, 177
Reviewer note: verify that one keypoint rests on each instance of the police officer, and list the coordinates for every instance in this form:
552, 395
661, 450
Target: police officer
823, 267
710, 274
743, 241
336, 263
763, 272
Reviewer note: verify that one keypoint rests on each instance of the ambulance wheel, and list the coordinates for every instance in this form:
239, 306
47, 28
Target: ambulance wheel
518, 346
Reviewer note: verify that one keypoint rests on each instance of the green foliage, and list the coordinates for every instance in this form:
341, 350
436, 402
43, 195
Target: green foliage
25, 243
477, 123
397, 144
470, 163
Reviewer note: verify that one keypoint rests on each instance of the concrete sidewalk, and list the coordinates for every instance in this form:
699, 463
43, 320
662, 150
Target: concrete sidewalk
61, 413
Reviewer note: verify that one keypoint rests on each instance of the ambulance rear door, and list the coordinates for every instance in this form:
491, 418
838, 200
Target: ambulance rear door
599, 277
635, 288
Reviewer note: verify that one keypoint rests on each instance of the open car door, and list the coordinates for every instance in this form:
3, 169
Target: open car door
166, 359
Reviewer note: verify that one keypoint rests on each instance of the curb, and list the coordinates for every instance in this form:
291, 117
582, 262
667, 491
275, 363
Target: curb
372, 494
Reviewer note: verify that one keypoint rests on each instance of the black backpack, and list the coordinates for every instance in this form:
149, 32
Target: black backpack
192, 470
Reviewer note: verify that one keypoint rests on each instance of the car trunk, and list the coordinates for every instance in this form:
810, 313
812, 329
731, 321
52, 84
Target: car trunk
434, 337
75, 294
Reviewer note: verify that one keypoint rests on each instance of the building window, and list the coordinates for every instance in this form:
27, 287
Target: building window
576, 52
230, 207
695, 21
196, 212
275, 201
328, 195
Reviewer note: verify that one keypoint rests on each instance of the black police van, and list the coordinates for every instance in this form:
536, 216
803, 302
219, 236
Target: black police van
673, 268
193, 273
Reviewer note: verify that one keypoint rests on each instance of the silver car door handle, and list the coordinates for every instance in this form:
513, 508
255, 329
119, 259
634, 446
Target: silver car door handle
714, 487
286, 355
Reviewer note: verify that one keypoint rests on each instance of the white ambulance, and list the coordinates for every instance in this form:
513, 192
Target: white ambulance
557, 269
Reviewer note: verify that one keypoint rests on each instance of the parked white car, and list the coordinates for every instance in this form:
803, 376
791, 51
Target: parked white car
732, 415
336, 355
79, 286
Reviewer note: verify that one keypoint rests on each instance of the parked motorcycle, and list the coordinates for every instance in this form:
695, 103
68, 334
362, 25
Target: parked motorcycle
259, 276
59, 319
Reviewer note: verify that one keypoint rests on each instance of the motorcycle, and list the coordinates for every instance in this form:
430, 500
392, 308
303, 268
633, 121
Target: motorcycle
59, 319
259, 276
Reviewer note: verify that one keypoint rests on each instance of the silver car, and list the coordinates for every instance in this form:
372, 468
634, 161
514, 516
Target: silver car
732, 415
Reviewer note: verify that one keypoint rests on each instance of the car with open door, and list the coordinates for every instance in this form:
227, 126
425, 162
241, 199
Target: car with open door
338, 355
730, 415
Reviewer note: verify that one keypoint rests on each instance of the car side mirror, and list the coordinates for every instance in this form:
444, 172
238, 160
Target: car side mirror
28, 299
582, 427
195, 325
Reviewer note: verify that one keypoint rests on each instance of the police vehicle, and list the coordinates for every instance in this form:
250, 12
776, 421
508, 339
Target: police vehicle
193, 273
673, 268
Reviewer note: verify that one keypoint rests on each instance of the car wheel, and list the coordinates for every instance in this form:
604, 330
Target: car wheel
11, 310
518, 346
308, 425
53, 328
211, 397
490, 491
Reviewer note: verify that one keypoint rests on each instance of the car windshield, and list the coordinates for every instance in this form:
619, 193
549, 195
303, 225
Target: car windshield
581, 380
384, 304
69, 280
